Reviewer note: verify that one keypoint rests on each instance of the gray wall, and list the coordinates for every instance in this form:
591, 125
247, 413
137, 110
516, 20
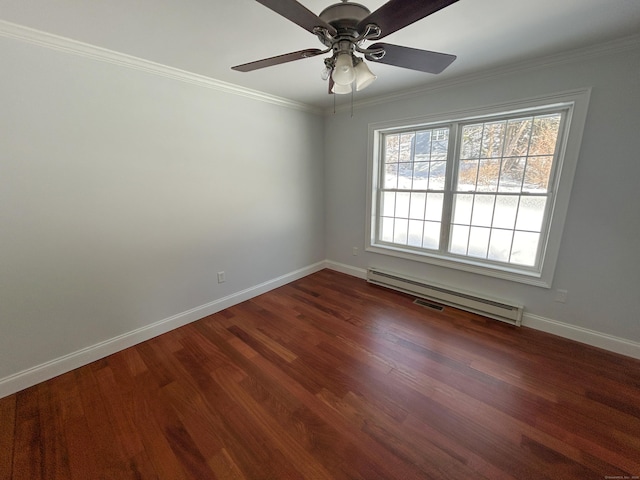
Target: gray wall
123, 193
599, 263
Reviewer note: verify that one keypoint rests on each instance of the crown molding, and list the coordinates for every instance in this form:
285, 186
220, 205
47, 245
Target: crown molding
567, 57
74, 47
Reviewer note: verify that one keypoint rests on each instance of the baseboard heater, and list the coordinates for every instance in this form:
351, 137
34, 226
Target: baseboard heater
488, 307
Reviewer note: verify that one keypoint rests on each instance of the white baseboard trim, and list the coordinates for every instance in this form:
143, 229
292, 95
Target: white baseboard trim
32, 376
561, 329
348, 269
583, 335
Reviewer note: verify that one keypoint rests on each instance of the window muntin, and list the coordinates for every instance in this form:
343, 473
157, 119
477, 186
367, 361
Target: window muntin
475, 191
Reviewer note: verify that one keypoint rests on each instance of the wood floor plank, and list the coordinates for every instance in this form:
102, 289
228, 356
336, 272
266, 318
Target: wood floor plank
55, 464
7, 434
330, 377
224, 466
162, 457
84, 460
27, 454
108, 408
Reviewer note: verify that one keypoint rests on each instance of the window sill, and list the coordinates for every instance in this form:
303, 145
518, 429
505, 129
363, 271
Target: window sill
528, 277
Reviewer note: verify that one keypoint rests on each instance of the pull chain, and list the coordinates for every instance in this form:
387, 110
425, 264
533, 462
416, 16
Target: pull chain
352, 102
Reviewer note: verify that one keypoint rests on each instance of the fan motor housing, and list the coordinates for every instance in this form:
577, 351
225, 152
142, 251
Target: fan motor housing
344, 17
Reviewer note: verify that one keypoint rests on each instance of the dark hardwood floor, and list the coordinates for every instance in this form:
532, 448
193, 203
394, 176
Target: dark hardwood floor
332, 378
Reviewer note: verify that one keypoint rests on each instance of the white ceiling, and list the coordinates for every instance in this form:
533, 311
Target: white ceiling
207, 37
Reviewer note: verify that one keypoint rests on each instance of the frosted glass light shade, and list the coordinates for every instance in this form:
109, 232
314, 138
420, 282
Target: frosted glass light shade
343, 72
364, 77
341, 89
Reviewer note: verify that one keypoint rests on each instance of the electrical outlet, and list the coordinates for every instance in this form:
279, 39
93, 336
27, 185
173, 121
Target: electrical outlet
561, 296
222, 277
355, 251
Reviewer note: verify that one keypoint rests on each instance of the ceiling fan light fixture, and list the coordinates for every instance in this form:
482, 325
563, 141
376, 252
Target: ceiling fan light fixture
341, 89
343, 72
364, 77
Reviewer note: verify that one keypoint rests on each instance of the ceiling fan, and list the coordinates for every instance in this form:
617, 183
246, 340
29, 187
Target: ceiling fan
344, 27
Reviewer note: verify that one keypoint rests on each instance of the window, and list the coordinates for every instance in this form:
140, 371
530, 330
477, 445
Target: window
476, 193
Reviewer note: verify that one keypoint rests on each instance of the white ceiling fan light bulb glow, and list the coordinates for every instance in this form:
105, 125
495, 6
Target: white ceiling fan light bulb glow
343, 72
364, 77
341, 89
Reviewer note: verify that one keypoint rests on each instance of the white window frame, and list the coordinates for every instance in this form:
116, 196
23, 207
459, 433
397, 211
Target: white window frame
575, 102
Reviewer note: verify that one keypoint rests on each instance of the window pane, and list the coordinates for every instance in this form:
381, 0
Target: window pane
462, 209
537, 173
517, 137
483, 210
488, 174
531, 213
471, 141
478, 242
400, 231
421, 175
388, 204
402, 204
500, 245
423, 146
467, 175
386, 229
492, 139
391, 176
525, 247
505, 212
405, 175
431, 238
545, 134
439, 144
415, 233
392, 143
406, 147
512, 174
459, 239
434, 206
416, 209
437, 175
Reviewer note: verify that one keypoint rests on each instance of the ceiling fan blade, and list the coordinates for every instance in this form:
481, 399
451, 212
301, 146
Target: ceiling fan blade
412, 58
397, 14
277, 60
298, 14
